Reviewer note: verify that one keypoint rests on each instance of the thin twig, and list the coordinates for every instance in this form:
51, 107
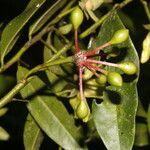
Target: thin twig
147, 10
102, 19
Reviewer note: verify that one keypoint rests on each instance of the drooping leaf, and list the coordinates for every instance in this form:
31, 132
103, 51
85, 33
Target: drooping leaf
11, 32
115, 116
51, 115
33, 135
46, 16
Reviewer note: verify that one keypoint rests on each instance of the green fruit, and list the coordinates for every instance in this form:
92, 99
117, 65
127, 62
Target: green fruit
74, 102
119, 36
114, 78
82, 110
87, 74
128, 68
101, 80
76, 17
65, 29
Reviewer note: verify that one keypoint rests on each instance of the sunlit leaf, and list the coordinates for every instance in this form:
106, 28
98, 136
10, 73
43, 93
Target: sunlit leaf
115, 116
11, 32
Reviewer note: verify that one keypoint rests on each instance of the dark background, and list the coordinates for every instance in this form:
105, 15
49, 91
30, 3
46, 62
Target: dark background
14, 120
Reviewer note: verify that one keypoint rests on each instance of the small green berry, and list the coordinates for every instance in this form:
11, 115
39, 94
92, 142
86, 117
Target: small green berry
101, 80
74, 102
114, 78
128, 68
65, 29
87, 74
76, 17
120, 36
82, 110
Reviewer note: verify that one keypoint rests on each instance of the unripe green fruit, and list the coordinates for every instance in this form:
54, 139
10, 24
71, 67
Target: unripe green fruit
82, 110
76, 17
128, 68
65, 29
74, 102
114, 78
87, 74
102, 79
119, 36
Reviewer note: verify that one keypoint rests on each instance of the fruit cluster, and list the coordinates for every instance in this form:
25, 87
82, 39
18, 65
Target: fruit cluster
87, 67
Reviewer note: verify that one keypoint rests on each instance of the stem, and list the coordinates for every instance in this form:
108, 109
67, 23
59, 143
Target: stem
146, 8
102, 19
8, 98
76, 41
81, 83
26, 46
61, 51
49, 46
37, 37
91, 68
102, 62
45, 66
96, 49
95, 68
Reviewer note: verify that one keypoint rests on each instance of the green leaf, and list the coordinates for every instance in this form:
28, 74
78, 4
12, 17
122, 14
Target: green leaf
4, 136
141, 136
115, 116
46, 16
12, 30
32, 136
51, 115
148, 118
53, 118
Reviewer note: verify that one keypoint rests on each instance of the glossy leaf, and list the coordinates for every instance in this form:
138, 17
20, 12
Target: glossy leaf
115, 116
46, 16
33, 135
51, 115
11, 32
